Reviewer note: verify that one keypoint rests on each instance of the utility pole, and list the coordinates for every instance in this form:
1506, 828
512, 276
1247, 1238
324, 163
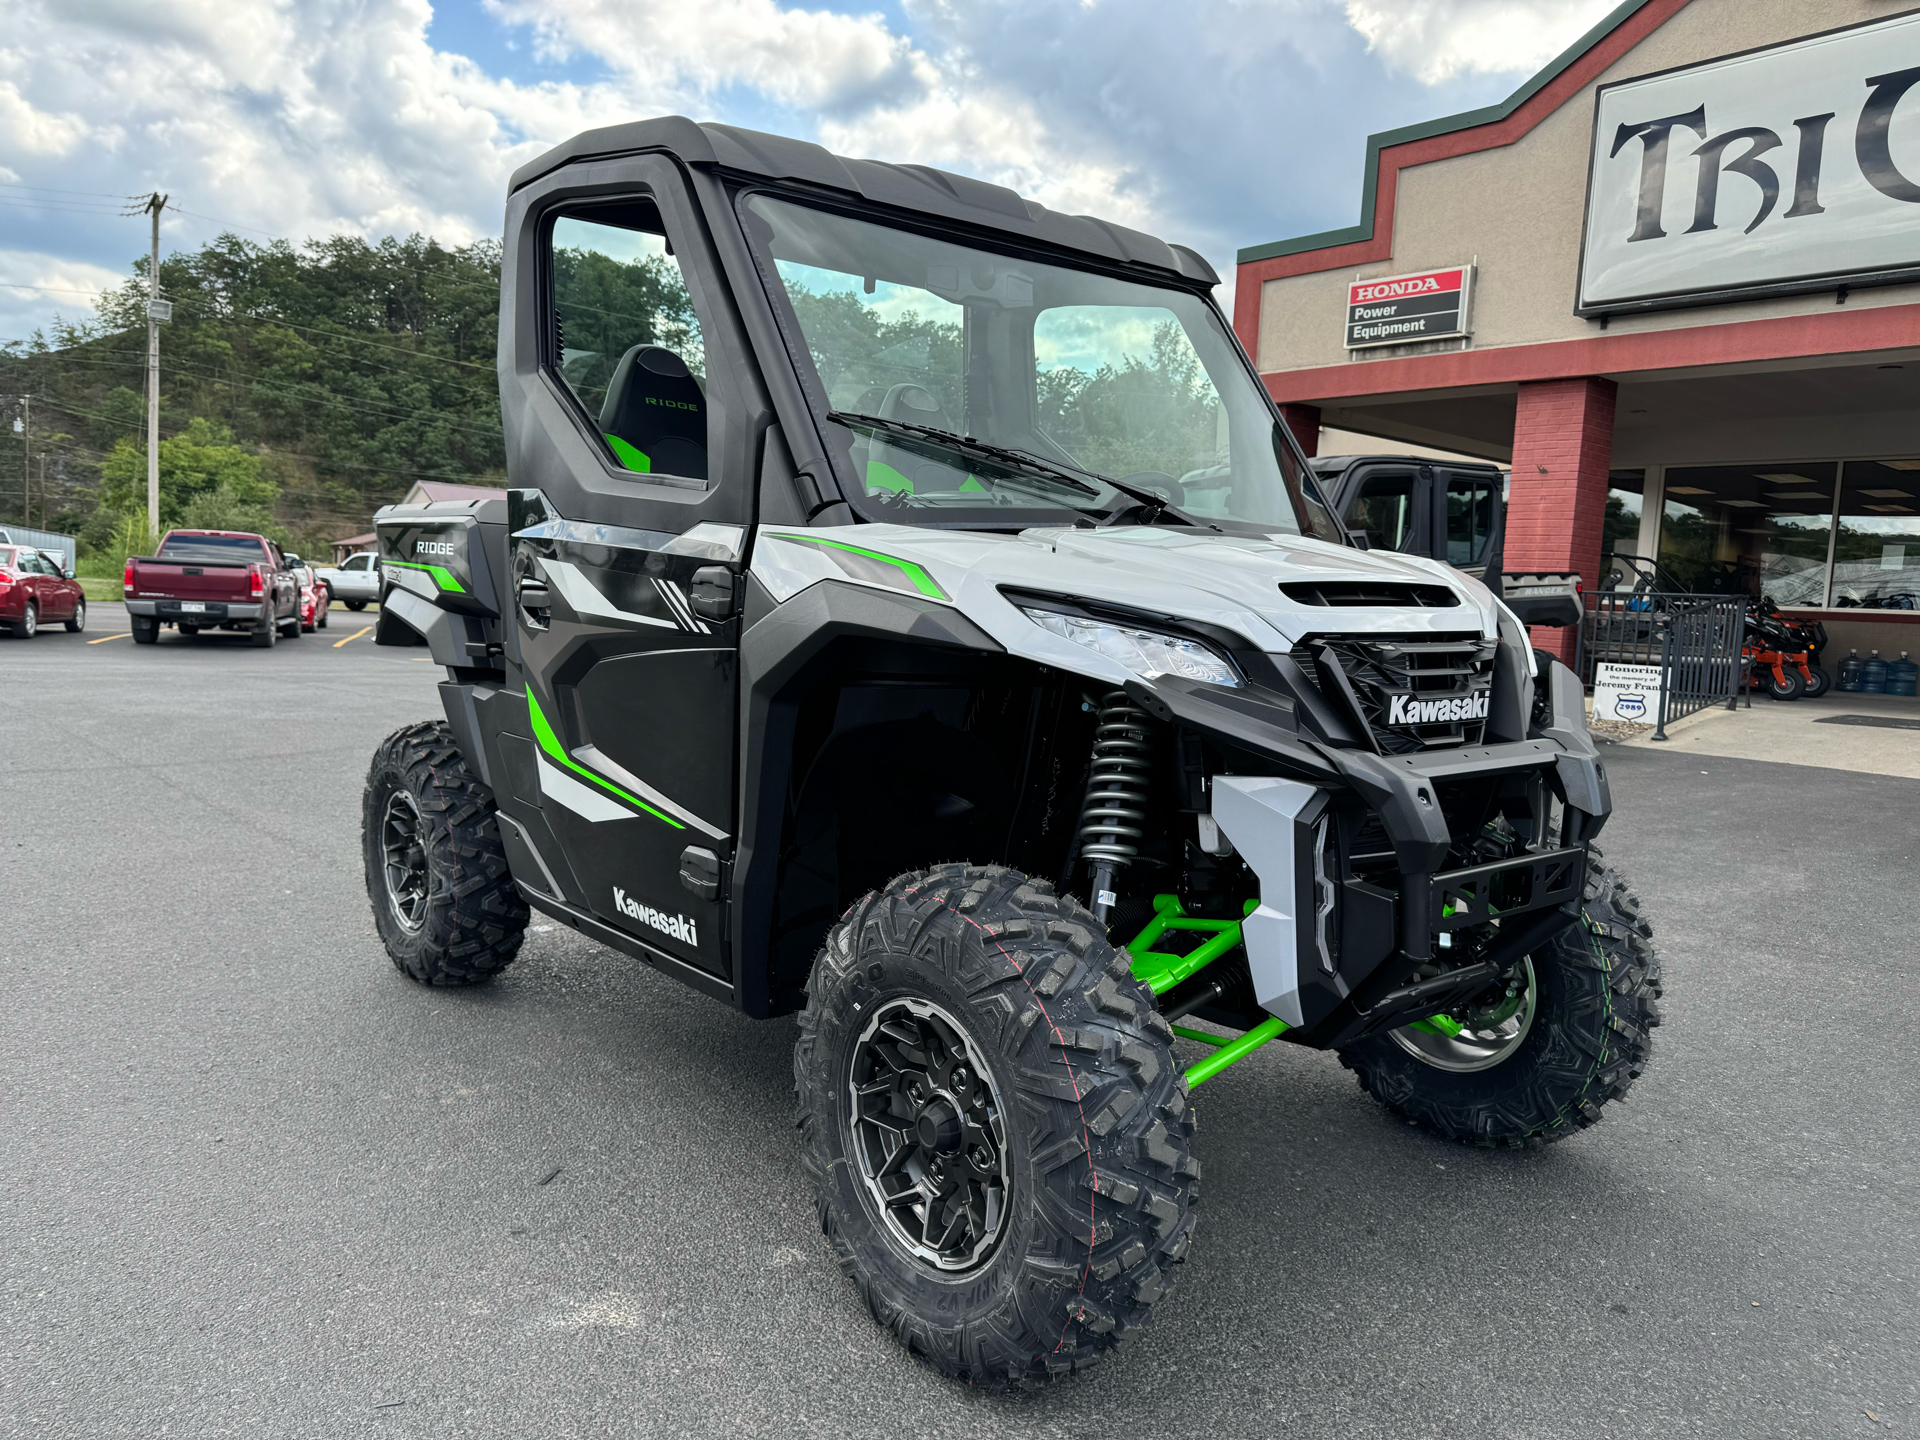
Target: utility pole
158, 310
26, 460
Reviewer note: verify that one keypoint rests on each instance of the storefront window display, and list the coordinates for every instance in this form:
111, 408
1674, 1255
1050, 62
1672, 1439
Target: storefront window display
1769, 530
1877, 537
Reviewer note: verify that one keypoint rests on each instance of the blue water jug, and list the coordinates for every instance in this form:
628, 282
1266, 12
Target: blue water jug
1874, 675
1850, 678
1901, 675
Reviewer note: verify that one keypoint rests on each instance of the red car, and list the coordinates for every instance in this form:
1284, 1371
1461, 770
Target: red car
35, 589
315, 598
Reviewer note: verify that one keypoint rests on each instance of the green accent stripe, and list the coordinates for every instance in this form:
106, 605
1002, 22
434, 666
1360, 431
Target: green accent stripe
628, 456
550, 743
1466, 120
920, 579
443, 577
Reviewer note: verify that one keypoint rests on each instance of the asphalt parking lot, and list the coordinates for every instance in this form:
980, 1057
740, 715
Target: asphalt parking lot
257, 1183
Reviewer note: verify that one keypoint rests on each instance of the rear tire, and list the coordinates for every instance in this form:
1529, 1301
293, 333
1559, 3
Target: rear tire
444, 902
146, 630
1097, 1183
28, 626
77, 622
1818, 682
265, 635
356, 605
1585, 1043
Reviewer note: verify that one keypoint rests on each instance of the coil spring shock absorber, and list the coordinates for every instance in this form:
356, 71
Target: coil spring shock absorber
1114, 815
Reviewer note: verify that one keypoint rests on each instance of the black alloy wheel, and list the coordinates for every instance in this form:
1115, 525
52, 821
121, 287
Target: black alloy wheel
930, 1134
404, 852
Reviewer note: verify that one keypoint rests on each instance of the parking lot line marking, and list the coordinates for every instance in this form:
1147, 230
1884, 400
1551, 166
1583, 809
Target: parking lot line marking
117, 635
355, 636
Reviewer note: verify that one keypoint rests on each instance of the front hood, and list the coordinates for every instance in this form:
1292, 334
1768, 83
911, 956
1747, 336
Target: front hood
1225, 580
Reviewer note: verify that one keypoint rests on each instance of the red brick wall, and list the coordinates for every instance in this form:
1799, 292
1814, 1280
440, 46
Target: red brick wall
1563, 440
1305, 422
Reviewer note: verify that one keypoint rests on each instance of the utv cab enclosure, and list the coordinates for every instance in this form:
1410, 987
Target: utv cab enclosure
909, 611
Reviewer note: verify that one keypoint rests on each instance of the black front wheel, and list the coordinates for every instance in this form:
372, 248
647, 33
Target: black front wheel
994, 1124
355, 604
443, 900
1536, 1060
1818, 682
1789, 686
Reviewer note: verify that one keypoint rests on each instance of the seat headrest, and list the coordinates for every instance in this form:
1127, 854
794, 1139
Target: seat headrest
655, 414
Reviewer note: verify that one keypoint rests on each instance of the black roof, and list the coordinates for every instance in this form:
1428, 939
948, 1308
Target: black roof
905, 187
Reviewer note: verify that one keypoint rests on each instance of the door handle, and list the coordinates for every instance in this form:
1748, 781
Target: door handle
713, 592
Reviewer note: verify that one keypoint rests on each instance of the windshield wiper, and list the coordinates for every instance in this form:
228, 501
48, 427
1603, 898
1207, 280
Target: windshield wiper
1017, 460
1021, 461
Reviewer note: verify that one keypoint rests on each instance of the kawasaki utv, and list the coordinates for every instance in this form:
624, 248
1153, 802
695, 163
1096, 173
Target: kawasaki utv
910, 612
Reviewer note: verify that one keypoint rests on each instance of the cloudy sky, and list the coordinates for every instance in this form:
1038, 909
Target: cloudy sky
1219, 123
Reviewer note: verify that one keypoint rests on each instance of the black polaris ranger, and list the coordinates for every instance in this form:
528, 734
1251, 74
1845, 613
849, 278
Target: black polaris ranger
910, 612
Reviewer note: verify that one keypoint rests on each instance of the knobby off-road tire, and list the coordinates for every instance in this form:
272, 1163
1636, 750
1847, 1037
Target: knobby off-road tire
1100, 1183
1598, 987
469, 919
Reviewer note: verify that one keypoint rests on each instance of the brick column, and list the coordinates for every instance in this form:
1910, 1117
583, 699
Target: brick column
1563, 440
1305, 422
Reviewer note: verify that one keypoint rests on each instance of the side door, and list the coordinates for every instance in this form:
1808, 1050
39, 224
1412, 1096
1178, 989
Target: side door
626, 534
1393, 505
1470, 520
49, 584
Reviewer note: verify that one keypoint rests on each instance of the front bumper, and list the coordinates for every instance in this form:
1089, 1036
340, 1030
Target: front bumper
212, 612
1329, 950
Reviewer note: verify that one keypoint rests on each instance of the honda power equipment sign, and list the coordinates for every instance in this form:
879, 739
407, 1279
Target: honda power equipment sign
1401, 309
1786, 169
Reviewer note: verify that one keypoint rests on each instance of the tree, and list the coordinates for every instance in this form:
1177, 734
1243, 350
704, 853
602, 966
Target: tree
196, 465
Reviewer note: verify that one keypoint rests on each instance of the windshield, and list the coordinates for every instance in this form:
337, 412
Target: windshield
1089, 374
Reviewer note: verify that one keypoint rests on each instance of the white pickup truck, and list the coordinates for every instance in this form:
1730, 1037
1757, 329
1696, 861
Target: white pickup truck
356, 580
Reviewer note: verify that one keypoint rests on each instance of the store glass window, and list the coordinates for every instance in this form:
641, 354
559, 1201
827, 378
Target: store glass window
1749, 530
1877, 537
1621, 521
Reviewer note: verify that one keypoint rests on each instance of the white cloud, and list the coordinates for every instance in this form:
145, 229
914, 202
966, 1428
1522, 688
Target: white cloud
36, 132
1240, 123
1435, 40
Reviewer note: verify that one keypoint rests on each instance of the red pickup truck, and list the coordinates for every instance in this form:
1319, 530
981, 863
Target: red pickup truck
200, 579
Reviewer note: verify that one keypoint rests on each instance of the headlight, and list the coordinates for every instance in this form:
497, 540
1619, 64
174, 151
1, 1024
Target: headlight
1147, 653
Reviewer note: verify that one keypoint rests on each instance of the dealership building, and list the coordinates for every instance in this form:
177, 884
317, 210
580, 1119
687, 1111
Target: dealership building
1671, 282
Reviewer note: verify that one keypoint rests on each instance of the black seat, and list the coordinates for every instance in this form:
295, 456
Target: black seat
655, 416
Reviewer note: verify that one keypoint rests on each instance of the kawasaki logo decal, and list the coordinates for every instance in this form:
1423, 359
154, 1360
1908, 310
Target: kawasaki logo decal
679, 927
1407, 710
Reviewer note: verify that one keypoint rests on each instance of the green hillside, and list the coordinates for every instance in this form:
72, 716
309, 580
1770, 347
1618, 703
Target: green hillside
301, 386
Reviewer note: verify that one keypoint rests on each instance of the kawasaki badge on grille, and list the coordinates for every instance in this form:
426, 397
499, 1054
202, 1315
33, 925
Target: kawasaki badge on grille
1410, 710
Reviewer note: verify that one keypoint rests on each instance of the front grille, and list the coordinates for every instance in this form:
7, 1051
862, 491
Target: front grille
1414, 693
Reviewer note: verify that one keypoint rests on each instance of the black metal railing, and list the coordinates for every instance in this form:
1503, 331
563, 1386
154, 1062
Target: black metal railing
1694, 639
